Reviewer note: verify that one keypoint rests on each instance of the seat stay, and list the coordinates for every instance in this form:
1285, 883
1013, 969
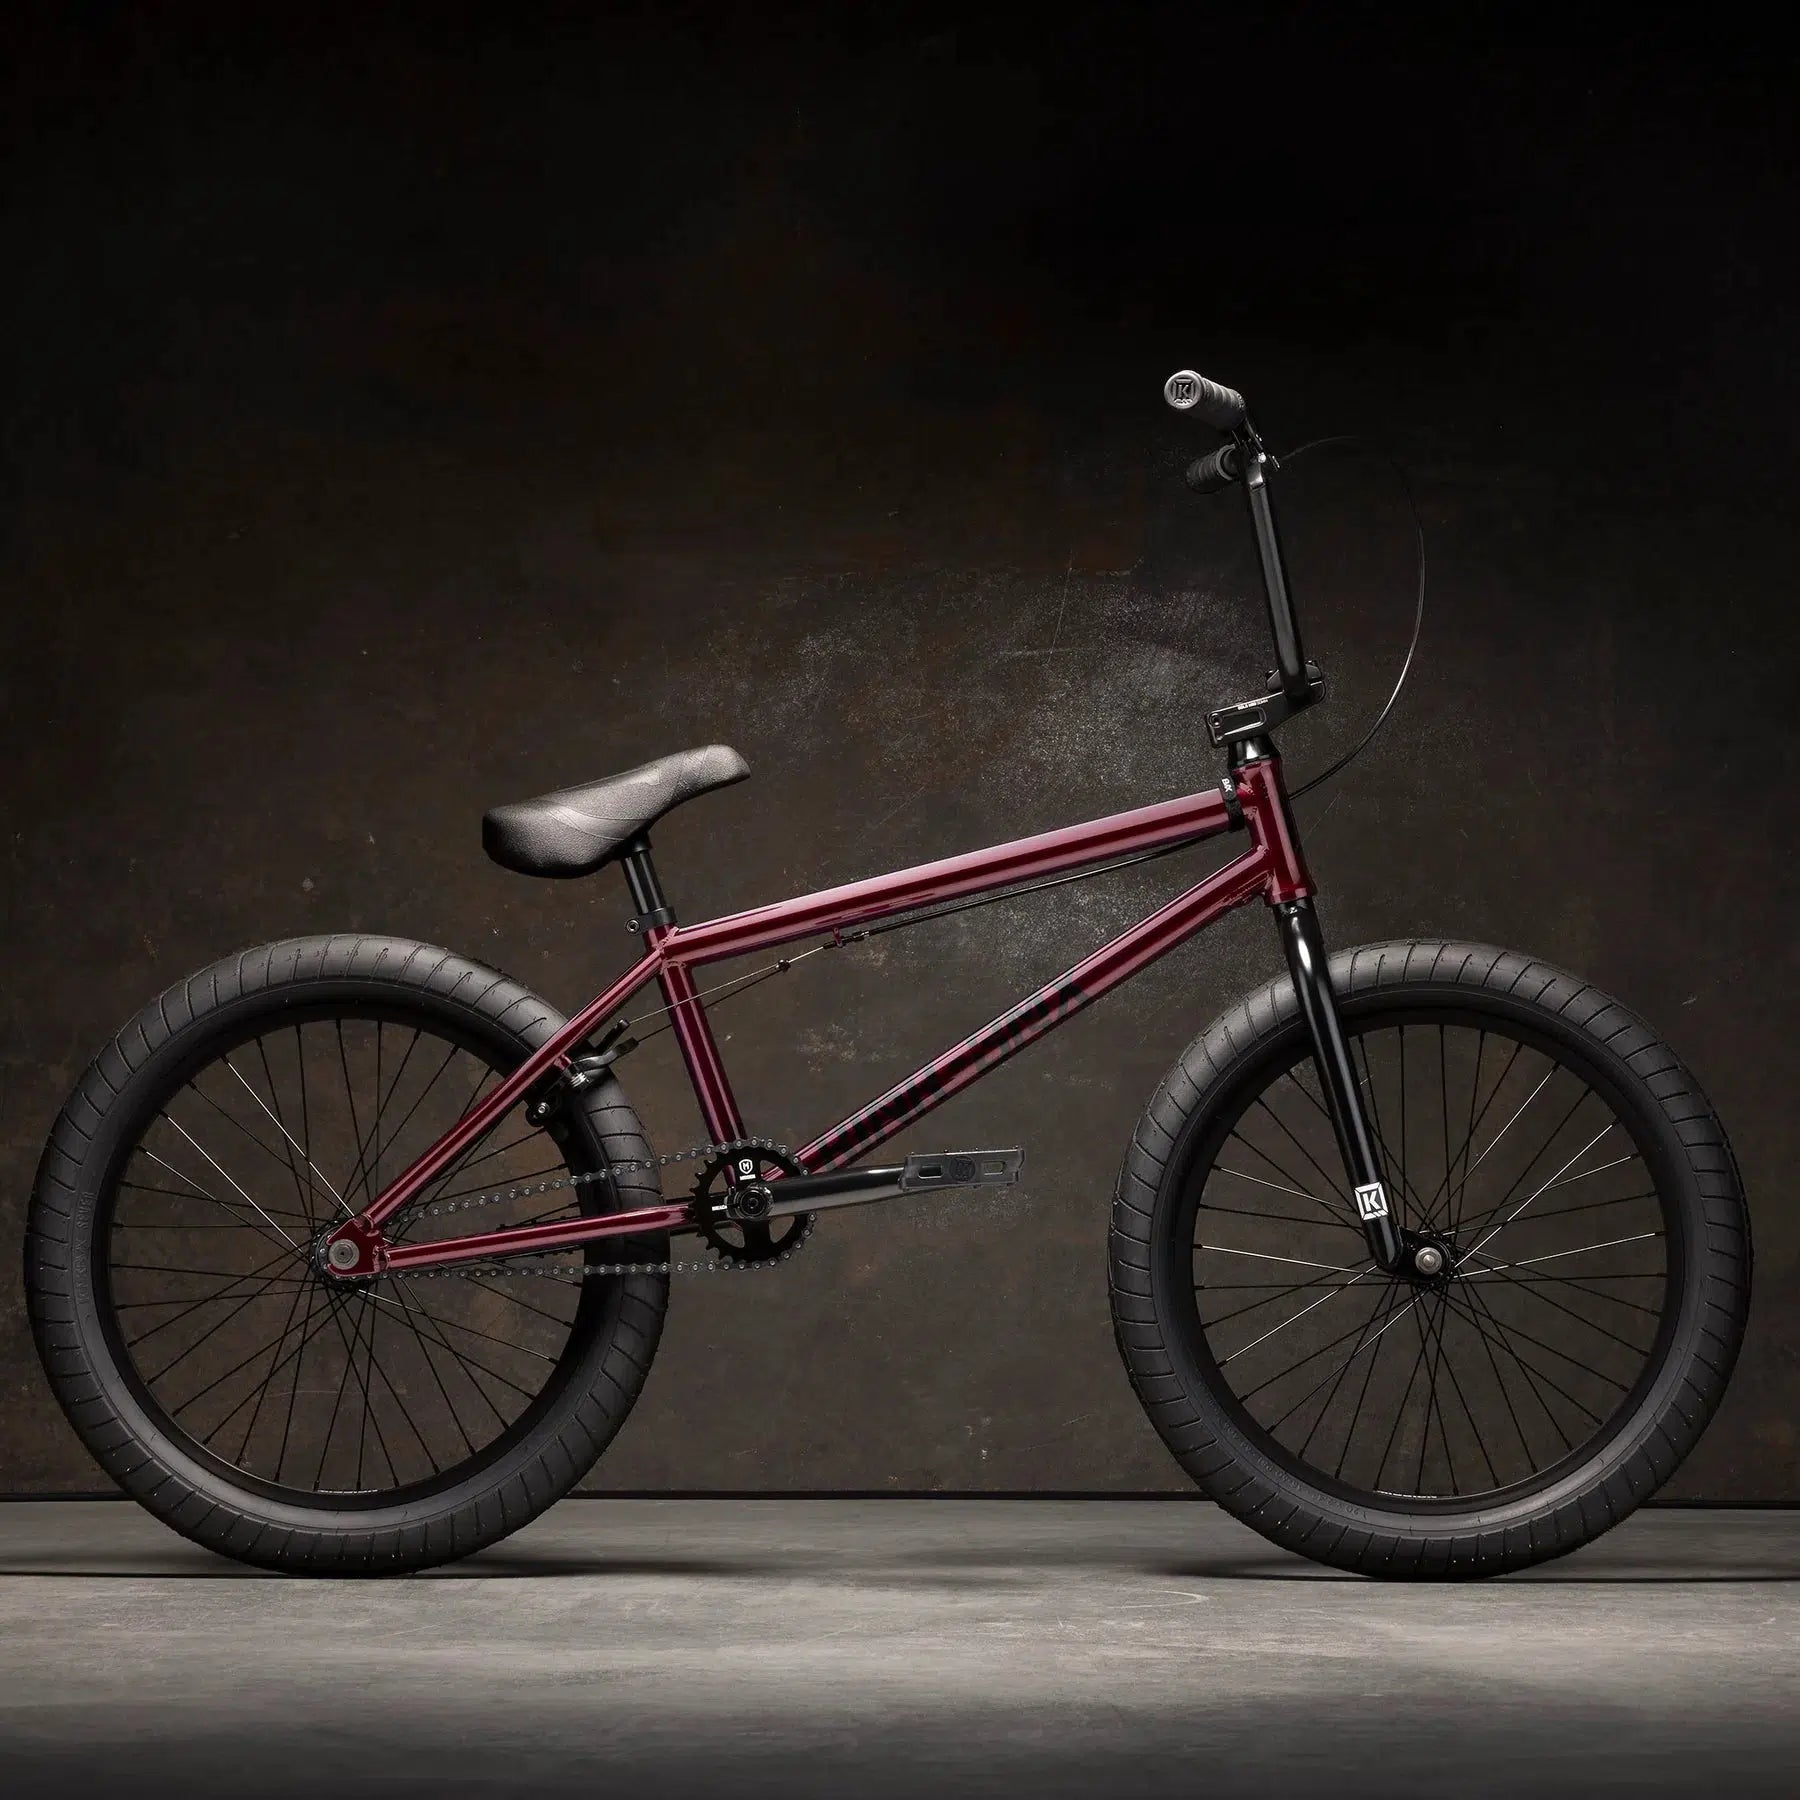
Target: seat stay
550, 1055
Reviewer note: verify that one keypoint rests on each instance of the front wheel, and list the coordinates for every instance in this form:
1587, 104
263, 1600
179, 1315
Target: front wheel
1532, 1378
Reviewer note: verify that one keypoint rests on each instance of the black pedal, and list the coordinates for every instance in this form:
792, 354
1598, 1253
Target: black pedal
962, 1168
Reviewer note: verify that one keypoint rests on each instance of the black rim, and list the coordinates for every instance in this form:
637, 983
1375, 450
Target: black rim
314, 1392
1523, 1166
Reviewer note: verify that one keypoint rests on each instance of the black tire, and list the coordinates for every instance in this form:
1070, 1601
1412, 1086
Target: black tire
601, 1341
1223, 1427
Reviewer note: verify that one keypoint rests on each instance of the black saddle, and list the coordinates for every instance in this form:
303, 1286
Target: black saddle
576, 830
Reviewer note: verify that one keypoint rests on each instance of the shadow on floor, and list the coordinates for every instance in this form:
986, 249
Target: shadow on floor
998, 1566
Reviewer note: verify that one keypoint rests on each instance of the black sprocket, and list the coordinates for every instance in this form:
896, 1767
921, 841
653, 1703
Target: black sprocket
740, 1242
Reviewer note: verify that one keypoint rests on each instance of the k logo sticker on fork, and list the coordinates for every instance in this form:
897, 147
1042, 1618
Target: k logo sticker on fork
1371, 1201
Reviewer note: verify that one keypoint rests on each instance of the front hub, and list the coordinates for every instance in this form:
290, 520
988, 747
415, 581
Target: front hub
1427, 1258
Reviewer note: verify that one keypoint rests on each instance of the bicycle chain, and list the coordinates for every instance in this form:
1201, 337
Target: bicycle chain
723, 1265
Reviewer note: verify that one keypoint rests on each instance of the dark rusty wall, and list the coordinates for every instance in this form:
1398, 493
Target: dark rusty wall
402, 426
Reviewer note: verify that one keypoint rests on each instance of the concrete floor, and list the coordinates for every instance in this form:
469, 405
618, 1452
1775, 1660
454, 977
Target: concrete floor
896, 1647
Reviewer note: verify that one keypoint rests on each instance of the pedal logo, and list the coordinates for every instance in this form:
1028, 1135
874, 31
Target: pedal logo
1371, 1201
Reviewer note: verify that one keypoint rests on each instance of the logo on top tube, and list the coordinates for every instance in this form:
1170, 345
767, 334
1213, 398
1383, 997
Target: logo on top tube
1371, 1201
988, 1048
1182, 389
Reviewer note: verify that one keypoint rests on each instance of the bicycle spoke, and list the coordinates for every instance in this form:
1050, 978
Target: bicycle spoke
1462, 1154
217, 1381
1433, 1362
1263, 1256
467, 1358
1579, 1154
380, 1368
1369, 1369
1444, 1105
1294, 1186
1535, 1292
383, 1100
1473, 1318
302, 1188
1506, 1398
1505, 1273
191, 1190
1566, 1212
517, 1300
286, 1134
508, 1343
313, 1322
1330, 1344
1462, 1399
223, 1293
298, 1357
1507, 1333
1494, 1141
356, 1134
419, 1099
350, 1341
262, 1392
1384, 1305
318, 1478
1400, 1411
1330, 1294
1494, 1268
1331, 1181
431, 1365
254, 1207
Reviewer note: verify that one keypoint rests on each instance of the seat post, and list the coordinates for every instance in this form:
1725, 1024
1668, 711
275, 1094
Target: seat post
647, 897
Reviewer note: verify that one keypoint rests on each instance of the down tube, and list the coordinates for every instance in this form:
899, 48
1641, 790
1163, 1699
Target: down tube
1117, 961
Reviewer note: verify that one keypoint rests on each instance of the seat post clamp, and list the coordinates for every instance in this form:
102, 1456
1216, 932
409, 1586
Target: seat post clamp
646, 921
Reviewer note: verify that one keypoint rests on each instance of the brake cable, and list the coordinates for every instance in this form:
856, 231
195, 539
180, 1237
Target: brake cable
1394, 463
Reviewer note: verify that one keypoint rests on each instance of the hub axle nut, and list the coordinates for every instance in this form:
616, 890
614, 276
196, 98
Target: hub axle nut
343, 1254
1428, 1259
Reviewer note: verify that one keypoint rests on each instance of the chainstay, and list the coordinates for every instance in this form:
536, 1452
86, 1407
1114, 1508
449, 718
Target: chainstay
524, 1263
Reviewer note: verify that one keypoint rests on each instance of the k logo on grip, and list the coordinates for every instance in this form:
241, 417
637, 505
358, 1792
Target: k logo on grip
1182, 389
1371, 1201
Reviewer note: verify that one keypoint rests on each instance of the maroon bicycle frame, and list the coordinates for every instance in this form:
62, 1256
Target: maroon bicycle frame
1272, 868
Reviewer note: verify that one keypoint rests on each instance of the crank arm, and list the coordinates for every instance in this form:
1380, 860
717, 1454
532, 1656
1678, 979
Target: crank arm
917, 1175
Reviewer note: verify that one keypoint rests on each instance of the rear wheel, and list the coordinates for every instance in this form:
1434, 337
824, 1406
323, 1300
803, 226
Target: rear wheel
1577, 1284
271, 1413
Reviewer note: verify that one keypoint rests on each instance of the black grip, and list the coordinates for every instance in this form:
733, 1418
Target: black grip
1221, 407
1217, 471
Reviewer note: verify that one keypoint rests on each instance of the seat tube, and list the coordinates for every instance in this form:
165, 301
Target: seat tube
700, 1051
687, 1017
1256, 769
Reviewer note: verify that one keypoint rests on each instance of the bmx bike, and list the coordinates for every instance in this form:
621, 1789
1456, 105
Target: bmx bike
349, 1254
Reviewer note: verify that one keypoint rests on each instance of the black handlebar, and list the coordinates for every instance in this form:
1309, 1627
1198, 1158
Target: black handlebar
1211, 473
1295, 683
1221, 407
